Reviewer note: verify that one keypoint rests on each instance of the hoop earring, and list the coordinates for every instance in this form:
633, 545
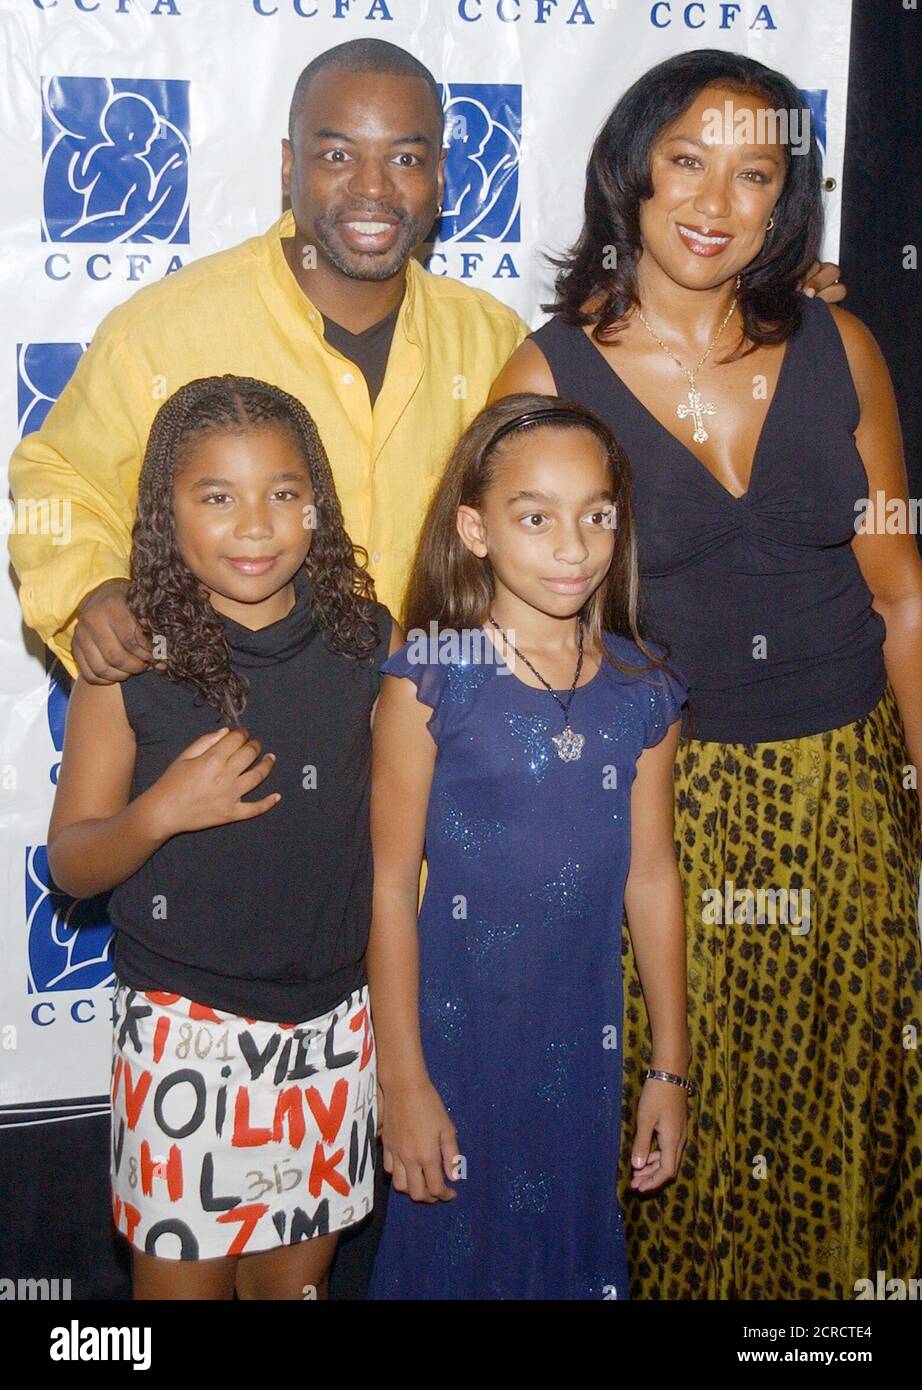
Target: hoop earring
438, 211
771, 223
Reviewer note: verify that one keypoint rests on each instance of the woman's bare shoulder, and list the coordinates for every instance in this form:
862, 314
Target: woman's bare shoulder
526, 370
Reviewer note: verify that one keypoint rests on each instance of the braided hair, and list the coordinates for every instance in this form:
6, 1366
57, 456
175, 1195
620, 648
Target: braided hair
172, 607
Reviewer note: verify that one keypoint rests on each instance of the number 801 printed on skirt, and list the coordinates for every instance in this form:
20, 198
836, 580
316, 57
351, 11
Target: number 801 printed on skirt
232, 1135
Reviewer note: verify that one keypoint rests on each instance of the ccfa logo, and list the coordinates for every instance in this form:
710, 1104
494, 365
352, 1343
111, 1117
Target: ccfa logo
816, 101
115, 160
483, 131
70, 939
42, 372
56, 709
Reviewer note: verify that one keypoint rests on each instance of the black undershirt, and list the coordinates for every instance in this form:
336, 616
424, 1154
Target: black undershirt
368, 350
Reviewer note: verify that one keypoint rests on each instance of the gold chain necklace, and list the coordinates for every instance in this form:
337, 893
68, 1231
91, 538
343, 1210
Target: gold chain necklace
696, 406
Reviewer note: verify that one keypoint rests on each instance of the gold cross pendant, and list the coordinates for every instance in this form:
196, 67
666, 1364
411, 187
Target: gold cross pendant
697, 409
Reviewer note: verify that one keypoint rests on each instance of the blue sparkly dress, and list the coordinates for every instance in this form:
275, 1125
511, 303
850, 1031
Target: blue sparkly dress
520, 975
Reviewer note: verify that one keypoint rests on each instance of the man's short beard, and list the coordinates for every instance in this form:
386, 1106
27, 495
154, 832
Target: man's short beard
378, 269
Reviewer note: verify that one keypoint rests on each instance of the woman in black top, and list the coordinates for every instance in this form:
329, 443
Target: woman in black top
243, 1085
756, 420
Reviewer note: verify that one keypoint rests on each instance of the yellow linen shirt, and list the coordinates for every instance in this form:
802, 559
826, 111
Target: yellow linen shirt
242, 311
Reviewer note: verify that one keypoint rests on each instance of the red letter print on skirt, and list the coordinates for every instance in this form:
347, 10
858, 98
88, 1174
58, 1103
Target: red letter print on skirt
231, 1135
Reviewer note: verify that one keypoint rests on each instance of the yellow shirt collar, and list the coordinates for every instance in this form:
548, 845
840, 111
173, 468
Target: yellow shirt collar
299, 301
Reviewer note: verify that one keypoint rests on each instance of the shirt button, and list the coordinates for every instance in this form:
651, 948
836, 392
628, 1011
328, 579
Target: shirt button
376, 558
311, 318
348, 378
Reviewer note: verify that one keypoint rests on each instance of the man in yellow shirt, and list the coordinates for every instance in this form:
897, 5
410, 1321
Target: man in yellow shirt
363, 166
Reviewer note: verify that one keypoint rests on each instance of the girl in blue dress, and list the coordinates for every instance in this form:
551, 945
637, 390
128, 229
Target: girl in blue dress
525, 737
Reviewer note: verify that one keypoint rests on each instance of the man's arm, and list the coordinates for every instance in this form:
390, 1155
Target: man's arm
74, 485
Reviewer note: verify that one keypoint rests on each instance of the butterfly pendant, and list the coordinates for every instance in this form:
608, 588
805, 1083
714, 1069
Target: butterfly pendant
569, 745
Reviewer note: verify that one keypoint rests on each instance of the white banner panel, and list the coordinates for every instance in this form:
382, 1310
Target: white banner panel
138, 135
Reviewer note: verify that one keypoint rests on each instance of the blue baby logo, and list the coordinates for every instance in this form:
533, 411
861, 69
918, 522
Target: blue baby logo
115, 160
483, 129
42, 372
70, 939
56, 709
816, 100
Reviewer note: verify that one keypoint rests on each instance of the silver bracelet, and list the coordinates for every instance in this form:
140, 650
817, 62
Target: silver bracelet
684, 1081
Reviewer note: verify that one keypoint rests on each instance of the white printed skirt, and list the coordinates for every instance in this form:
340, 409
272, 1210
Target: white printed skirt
230, 1135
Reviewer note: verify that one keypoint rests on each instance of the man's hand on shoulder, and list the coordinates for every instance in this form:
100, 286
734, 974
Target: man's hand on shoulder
108, 645
823, 282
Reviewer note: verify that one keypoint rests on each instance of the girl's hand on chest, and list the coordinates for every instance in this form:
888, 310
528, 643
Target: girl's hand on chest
205, 785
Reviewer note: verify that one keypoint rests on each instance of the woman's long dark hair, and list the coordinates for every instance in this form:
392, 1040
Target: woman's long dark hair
618, 180
166, 598
453, 588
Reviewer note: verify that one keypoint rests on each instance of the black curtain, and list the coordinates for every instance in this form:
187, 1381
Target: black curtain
882, 202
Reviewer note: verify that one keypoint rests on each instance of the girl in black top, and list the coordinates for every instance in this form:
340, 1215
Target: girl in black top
243, 1083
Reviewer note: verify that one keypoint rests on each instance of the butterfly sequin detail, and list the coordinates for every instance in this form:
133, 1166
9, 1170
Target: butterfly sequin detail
563, 896
533, 731
470, 833
485, 939
464, 678
526, 1191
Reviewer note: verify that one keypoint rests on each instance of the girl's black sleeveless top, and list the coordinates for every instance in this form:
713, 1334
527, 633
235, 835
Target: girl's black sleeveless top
760, 598
267, 917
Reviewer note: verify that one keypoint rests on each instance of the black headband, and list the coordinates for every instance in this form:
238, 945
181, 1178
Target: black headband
550, 412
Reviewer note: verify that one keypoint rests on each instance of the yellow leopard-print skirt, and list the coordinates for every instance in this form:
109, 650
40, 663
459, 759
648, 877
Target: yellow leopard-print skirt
803, 1168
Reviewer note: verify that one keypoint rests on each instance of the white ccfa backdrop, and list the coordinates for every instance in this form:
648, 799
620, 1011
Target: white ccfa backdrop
201, 89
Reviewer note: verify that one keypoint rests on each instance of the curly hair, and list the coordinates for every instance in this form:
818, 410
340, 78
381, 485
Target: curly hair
618, 180
173, 606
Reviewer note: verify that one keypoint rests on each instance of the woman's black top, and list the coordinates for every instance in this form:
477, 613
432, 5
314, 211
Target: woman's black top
760, 597
268, 917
